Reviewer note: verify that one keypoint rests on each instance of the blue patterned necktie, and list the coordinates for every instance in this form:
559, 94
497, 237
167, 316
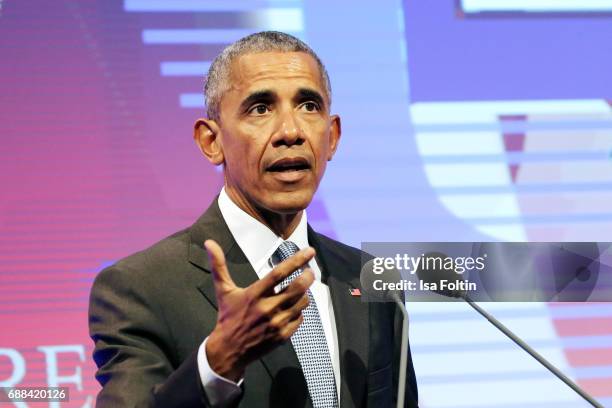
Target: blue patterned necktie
309, 342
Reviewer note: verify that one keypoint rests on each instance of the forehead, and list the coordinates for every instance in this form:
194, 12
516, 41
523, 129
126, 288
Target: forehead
270, 69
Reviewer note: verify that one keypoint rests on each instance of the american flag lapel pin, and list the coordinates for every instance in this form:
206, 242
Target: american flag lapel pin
355, 292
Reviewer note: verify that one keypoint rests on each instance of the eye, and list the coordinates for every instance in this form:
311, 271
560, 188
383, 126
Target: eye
310, 106
259, 110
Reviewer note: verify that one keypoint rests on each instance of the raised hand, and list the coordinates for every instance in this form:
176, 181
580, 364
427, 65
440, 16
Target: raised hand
254, 320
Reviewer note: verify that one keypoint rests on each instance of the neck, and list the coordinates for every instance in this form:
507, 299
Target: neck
282, 225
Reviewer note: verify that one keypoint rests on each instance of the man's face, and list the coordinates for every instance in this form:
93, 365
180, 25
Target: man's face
275, 131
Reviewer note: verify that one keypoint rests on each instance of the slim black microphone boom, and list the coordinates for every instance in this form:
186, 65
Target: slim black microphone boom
441, 273
401, 385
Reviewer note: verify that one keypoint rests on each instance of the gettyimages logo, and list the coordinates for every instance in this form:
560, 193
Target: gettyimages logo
433, 261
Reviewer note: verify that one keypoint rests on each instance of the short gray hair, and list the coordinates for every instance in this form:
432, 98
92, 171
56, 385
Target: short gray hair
217, 82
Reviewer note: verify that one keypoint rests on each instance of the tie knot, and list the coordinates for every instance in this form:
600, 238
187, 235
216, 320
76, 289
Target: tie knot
284, 251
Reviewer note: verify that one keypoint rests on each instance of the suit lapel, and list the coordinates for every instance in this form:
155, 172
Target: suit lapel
212, 226
352, 321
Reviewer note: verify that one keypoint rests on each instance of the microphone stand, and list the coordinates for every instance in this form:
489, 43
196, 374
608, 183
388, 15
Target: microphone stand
532, 352
401, 386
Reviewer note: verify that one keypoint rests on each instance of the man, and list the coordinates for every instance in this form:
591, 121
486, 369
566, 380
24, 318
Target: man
249, 306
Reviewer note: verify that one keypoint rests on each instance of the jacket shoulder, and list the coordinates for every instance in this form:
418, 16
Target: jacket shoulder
154, 264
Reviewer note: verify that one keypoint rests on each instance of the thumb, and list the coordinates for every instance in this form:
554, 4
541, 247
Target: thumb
221, 277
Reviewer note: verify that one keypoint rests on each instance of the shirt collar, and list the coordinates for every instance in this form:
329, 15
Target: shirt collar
257, 241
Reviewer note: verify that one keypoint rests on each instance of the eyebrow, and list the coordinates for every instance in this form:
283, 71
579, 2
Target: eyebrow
307, 94
263, 96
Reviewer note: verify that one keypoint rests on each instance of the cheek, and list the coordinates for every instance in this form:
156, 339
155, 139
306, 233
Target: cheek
245, 151
320, 145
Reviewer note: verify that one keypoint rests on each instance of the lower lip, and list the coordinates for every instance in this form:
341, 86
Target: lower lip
291, 176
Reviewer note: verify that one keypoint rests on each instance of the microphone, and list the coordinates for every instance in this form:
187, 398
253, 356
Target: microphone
437, 274
367, 278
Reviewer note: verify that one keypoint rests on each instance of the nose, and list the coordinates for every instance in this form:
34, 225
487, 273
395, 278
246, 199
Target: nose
289, 132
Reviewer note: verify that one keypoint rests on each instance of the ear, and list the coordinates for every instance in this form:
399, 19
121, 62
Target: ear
335, 131
206, 135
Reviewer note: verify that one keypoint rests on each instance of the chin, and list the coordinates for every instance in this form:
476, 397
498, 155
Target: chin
289, 202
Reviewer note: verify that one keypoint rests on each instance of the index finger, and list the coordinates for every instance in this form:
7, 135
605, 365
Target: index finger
282, 271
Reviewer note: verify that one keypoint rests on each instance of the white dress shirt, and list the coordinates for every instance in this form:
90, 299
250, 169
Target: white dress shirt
258, 243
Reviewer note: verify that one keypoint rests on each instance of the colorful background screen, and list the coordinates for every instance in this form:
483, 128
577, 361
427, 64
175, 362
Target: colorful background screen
462, 120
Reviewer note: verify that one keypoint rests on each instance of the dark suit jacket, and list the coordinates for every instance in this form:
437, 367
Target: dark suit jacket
150, 312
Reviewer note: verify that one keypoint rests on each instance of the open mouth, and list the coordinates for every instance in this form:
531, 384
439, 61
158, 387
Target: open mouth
289, 165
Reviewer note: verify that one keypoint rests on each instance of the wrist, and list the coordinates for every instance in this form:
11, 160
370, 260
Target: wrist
223, 359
